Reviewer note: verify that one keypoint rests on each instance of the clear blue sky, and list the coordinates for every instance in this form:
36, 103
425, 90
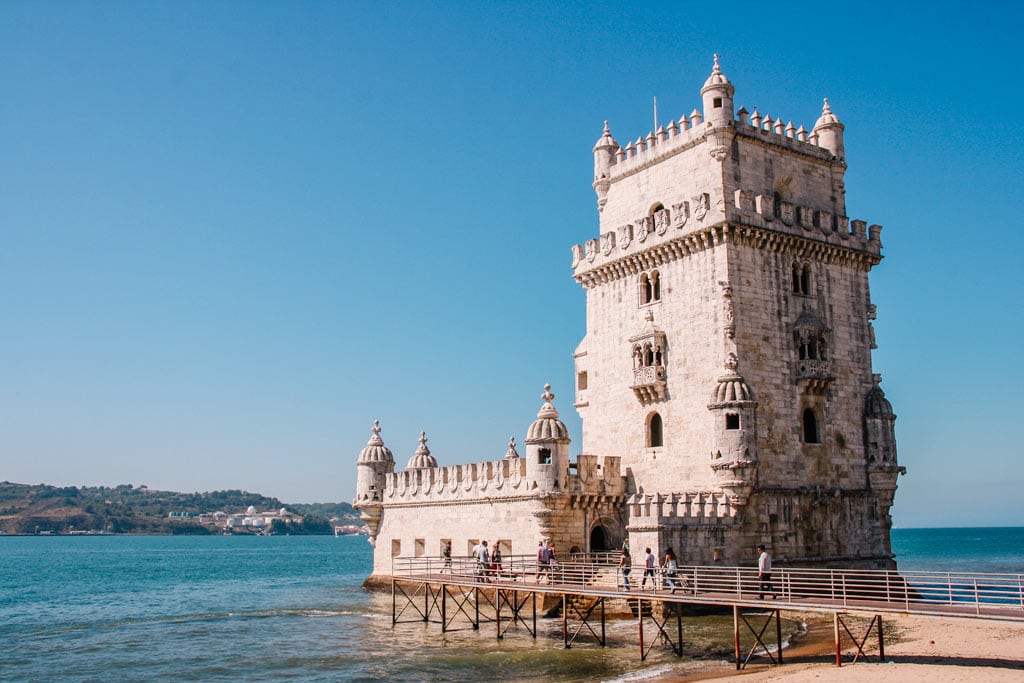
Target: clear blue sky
233, 234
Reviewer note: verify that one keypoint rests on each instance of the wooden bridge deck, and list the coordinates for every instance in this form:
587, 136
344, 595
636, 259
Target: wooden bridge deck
442, 592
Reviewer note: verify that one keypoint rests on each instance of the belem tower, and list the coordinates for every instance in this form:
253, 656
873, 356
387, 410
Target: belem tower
724, 381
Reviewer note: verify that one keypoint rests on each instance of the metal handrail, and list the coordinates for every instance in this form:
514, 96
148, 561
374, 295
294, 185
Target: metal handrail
845, 587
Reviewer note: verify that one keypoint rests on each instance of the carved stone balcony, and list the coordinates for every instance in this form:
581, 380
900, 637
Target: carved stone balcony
816, 374
649, 383
814, 369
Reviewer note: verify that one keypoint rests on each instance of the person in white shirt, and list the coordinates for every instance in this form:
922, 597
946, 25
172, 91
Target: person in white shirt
648, 570
764, 573
483, 559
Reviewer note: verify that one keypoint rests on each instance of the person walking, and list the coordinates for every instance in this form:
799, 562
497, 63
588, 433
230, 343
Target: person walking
649, 563
543, 561
496, 560
482, 561
764, 573
669, 569
447, 555
626, 566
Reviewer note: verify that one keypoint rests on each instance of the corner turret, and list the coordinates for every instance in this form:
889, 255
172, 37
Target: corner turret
734, 448
880, 447
604, 156
717, 94
547, 448
829, 131
374, 464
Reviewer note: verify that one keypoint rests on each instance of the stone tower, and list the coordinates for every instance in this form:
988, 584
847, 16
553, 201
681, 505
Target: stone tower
727, 355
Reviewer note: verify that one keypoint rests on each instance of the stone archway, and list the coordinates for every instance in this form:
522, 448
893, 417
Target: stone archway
605, 536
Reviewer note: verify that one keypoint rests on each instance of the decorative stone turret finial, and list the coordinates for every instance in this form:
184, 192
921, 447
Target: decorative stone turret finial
511, 453
422, 458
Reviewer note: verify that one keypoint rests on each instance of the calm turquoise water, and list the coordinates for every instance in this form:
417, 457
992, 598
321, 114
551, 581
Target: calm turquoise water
291, 608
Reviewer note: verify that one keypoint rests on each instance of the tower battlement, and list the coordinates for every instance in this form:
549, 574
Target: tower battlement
495, 479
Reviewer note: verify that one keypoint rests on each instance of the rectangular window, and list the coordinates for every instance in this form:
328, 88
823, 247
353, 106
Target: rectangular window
544, 456
581, 380
396, 547
732, 421
718, 103
420, 547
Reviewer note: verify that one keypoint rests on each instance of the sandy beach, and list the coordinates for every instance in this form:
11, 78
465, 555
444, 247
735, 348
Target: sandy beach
916, 649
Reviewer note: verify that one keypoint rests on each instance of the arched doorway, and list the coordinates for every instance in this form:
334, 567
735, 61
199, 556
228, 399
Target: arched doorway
601, 539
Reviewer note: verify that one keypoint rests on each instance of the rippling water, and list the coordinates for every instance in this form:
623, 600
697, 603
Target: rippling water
250, 608
112, 608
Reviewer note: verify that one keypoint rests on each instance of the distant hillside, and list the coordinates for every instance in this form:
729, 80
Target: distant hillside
29, 509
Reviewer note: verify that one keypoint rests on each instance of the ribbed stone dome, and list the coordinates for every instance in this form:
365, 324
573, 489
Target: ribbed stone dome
547, 426
827, 118
375, 450
731, 389
422, 458
717, 79
877, 405
606, 139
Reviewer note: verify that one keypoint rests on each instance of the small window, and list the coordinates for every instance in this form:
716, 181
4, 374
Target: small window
655, 432
718, 103
396, 547
544, 456
646, 293
810, 427
732, 421
581, 380
420, 549
802, 279
650, 287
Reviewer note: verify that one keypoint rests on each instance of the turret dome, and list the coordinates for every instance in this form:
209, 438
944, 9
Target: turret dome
877, 405
731, 389
547, 426
717, 79
422, 458
606, 139
375, 450
827, 118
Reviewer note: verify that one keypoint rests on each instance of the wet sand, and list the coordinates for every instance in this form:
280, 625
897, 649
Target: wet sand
917, 650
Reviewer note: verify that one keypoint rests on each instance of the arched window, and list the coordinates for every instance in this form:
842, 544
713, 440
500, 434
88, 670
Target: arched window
655, 431
650, 287
810, 427
802, 279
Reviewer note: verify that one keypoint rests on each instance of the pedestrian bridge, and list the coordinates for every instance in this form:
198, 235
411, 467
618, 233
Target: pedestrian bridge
443, 591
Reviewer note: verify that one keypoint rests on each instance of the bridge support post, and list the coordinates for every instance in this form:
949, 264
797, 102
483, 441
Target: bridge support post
736, 634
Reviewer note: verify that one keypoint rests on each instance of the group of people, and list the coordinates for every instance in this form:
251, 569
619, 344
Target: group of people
488, 566
488, 561
669, 568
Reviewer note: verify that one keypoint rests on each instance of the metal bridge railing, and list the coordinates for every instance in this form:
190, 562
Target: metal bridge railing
844, 587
